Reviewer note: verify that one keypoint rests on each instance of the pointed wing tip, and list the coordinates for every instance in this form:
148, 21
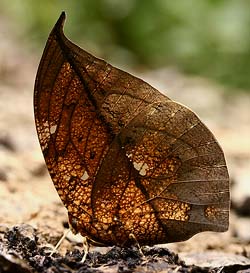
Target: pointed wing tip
63, 15
60, 22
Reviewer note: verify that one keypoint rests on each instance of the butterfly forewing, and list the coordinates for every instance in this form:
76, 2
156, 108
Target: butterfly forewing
124, 158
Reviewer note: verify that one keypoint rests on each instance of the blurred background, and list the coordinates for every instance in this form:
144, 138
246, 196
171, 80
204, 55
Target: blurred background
209, 37
196, 51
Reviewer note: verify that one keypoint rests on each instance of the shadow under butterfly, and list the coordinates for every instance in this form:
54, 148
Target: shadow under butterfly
124, 158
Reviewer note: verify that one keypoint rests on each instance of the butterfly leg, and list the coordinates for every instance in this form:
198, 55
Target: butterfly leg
133, 238
85, 249
60, 242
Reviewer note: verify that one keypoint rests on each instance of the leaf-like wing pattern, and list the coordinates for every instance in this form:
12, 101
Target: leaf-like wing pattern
124, 158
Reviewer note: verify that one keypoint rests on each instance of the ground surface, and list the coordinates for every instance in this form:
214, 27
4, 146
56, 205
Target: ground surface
32, 218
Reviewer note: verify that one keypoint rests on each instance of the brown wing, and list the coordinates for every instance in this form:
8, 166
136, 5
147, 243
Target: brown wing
123, 157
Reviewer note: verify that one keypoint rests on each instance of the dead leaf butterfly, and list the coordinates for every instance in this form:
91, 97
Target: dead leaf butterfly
124, 158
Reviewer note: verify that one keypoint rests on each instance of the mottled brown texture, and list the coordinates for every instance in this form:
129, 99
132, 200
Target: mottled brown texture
124, 158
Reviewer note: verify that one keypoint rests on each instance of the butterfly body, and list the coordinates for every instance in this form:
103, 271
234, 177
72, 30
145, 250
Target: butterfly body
124, 158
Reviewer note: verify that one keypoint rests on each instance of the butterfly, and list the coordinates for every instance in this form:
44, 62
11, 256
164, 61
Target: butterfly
124, 158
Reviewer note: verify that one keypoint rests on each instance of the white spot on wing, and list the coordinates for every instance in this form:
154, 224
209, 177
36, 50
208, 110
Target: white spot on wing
141, 167
53, 129
137, 166
85, 176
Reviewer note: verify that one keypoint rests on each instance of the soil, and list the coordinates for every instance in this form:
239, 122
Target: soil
33, 219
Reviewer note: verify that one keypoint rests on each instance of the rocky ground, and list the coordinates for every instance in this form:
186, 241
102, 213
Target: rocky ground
32, 218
